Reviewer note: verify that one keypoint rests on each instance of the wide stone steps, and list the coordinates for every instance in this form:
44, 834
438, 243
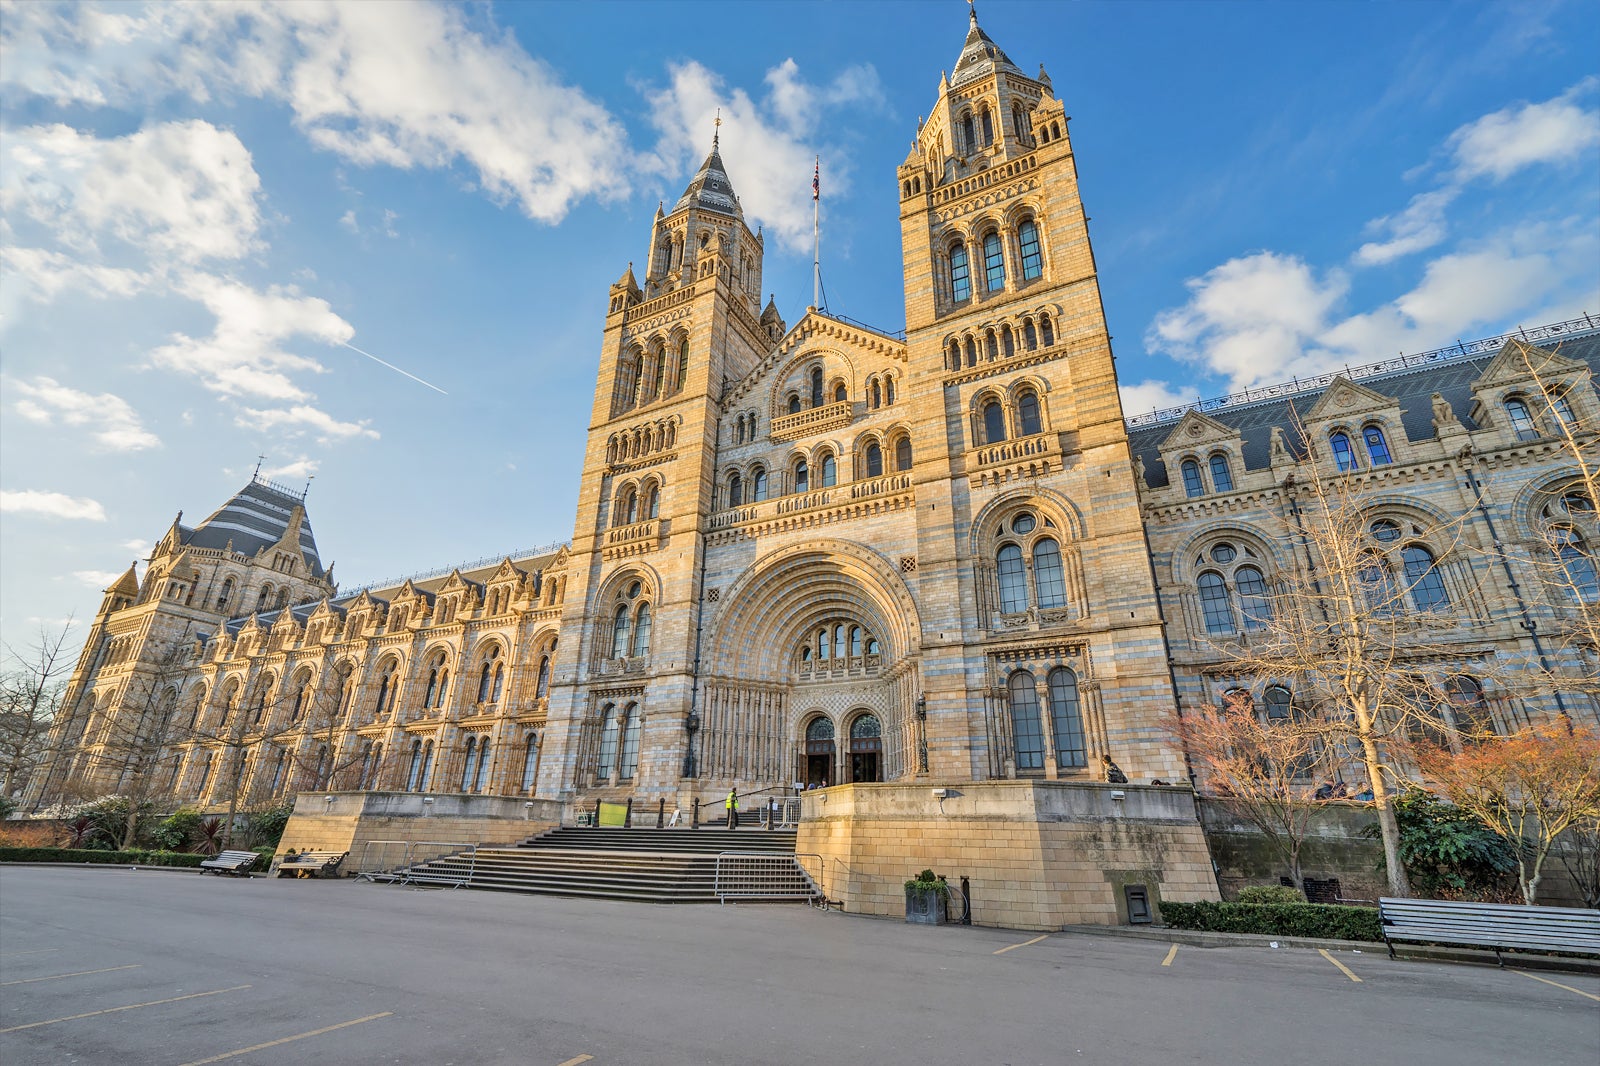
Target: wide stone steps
645, 865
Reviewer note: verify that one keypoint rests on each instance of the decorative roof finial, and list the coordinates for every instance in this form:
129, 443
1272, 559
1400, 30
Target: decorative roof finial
257, 475
716, 134
972, 12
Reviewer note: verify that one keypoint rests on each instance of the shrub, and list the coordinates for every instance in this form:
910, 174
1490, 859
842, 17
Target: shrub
264, 828
7, 805
1448, 853
177, 830
109, 818
1323, 920
1270, 894
94, 856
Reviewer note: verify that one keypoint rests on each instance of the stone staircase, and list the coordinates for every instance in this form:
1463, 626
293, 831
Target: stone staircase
642, 865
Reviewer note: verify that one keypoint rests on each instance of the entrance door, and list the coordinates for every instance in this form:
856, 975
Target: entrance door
819, 752
818, 767
864, 766
866, 744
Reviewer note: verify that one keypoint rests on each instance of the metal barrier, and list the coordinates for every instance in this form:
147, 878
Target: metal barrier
764, 875
396, 861
383, 860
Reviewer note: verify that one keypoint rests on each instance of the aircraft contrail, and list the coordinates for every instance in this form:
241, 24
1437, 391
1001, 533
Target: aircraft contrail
396, 369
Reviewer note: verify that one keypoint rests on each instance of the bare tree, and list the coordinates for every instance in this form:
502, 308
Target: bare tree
1259, 766
32, 687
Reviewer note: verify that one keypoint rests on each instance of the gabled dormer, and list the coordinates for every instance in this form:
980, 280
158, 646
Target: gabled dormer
1351, 427
1203, 457
501, 588
1529, 393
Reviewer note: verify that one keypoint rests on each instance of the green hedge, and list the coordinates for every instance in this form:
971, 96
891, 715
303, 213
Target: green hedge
113, 858
1323, 920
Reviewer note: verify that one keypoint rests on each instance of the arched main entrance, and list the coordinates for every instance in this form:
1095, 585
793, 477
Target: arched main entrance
866, 748
819, 753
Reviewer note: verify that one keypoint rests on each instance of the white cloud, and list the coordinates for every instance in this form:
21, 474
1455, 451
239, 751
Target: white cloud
1498, 145
768, 146
112, 420
297, 468
1420, 226
138, 545
323, 424
348, 221
403, 85
245, 354
46, 274
177, 192
51, 505
1152, 395
97, 579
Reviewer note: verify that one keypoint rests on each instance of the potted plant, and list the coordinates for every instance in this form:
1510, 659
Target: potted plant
927, 899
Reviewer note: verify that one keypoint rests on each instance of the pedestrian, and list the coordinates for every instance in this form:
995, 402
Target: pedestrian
1324, 791
1112, 771
1340, 790
733, 807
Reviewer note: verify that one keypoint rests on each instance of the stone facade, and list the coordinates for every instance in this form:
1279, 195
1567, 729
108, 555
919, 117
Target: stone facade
822, 554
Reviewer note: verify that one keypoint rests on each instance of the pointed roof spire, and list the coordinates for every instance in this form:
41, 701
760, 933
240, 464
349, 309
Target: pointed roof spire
128, 583
710, 189
979, 54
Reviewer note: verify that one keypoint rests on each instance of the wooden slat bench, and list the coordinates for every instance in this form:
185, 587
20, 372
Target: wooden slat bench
312, 864
233, 863
1490, 925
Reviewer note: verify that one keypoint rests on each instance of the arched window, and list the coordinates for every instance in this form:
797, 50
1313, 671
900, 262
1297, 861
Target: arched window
1215, 603
1344, 456
802, 476
608, 741
652, 501
1277, 701
1193, 484
630, 745
483, 766
874, 460
1377, 584
1473, 719
226, 595
1221, 475
620, 626
641, 631
1028, 413
969, 138
205, 771
816, 386
414, 771
888, 391
630, 507
1422, 576
530, 762
1030, 336
1578, 575
1028, 241
469, 765
1253, 603
488, 676
994, 263
1025, 726
972, 352
427, 765
839, 393
824, 645
875, 395
988, 128
830, 470
683, 365
902, 454
1377, 446
1008, 344
1561, 408
758, 485
1066, 720
960, 276
994, 422
1048, 582
794, 403
444, 685
1045, 330
300, 699
541, 688
735, 490
855, 641
1013, 579
1521, 421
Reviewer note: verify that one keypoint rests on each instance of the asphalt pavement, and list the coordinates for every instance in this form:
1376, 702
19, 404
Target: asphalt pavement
142, 967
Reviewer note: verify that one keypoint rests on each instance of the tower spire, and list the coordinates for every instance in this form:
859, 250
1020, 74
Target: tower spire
716, 132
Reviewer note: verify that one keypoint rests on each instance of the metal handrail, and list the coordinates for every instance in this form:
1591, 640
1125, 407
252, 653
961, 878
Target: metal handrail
764, 875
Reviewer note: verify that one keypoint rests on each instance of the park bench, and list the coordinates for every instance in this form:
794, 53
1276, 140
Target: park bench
1490, 925
312, 864
233, 863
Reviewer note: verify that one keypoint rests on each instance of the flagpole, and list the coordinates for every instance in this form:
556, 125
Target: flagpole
816, 236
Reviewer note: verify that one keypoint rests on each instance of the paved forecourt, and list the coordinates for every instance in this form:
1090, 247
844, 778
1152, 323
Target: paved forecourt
116, 966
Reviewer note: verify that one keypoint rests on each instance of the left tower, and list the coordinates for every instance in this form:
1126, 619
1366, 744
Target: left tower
622, 692
252, 555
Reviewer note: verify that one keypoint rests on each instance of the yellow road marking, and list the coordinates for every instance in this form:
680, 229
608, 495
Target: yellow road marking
1324, 953
80, 973
290, 1039
1558, 984
574, 1062
131, 1006
1171, 954
1002, 951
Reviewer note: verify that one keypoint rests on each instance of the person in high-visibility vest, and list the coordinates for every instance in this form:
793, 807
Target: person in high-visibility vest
733, 807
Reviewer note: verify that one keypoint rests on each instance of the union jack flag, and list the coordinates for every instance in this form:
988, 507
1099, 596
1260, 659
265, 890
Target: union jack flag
816, 182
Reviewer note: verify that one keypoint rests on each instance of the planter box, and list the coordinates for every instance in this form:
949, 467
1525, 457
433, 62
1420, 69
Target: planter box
927, 907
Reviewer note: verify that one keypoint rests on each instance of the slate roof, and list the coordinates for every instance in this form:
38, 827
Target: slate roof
710, 189
981, 56
256, 517
1413, 387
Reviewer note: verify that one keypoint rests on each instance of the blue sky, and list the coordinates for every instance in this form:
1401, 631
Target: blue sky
204, 204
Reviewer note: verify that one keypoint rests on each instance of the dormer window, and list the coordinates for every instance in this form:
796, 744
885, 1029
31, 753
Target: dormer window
1221, 475
1522, 423
1344, 456
1377, 446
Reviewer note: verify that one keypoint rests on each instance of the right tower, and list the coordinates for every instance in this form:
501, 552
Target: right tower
1028, 517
